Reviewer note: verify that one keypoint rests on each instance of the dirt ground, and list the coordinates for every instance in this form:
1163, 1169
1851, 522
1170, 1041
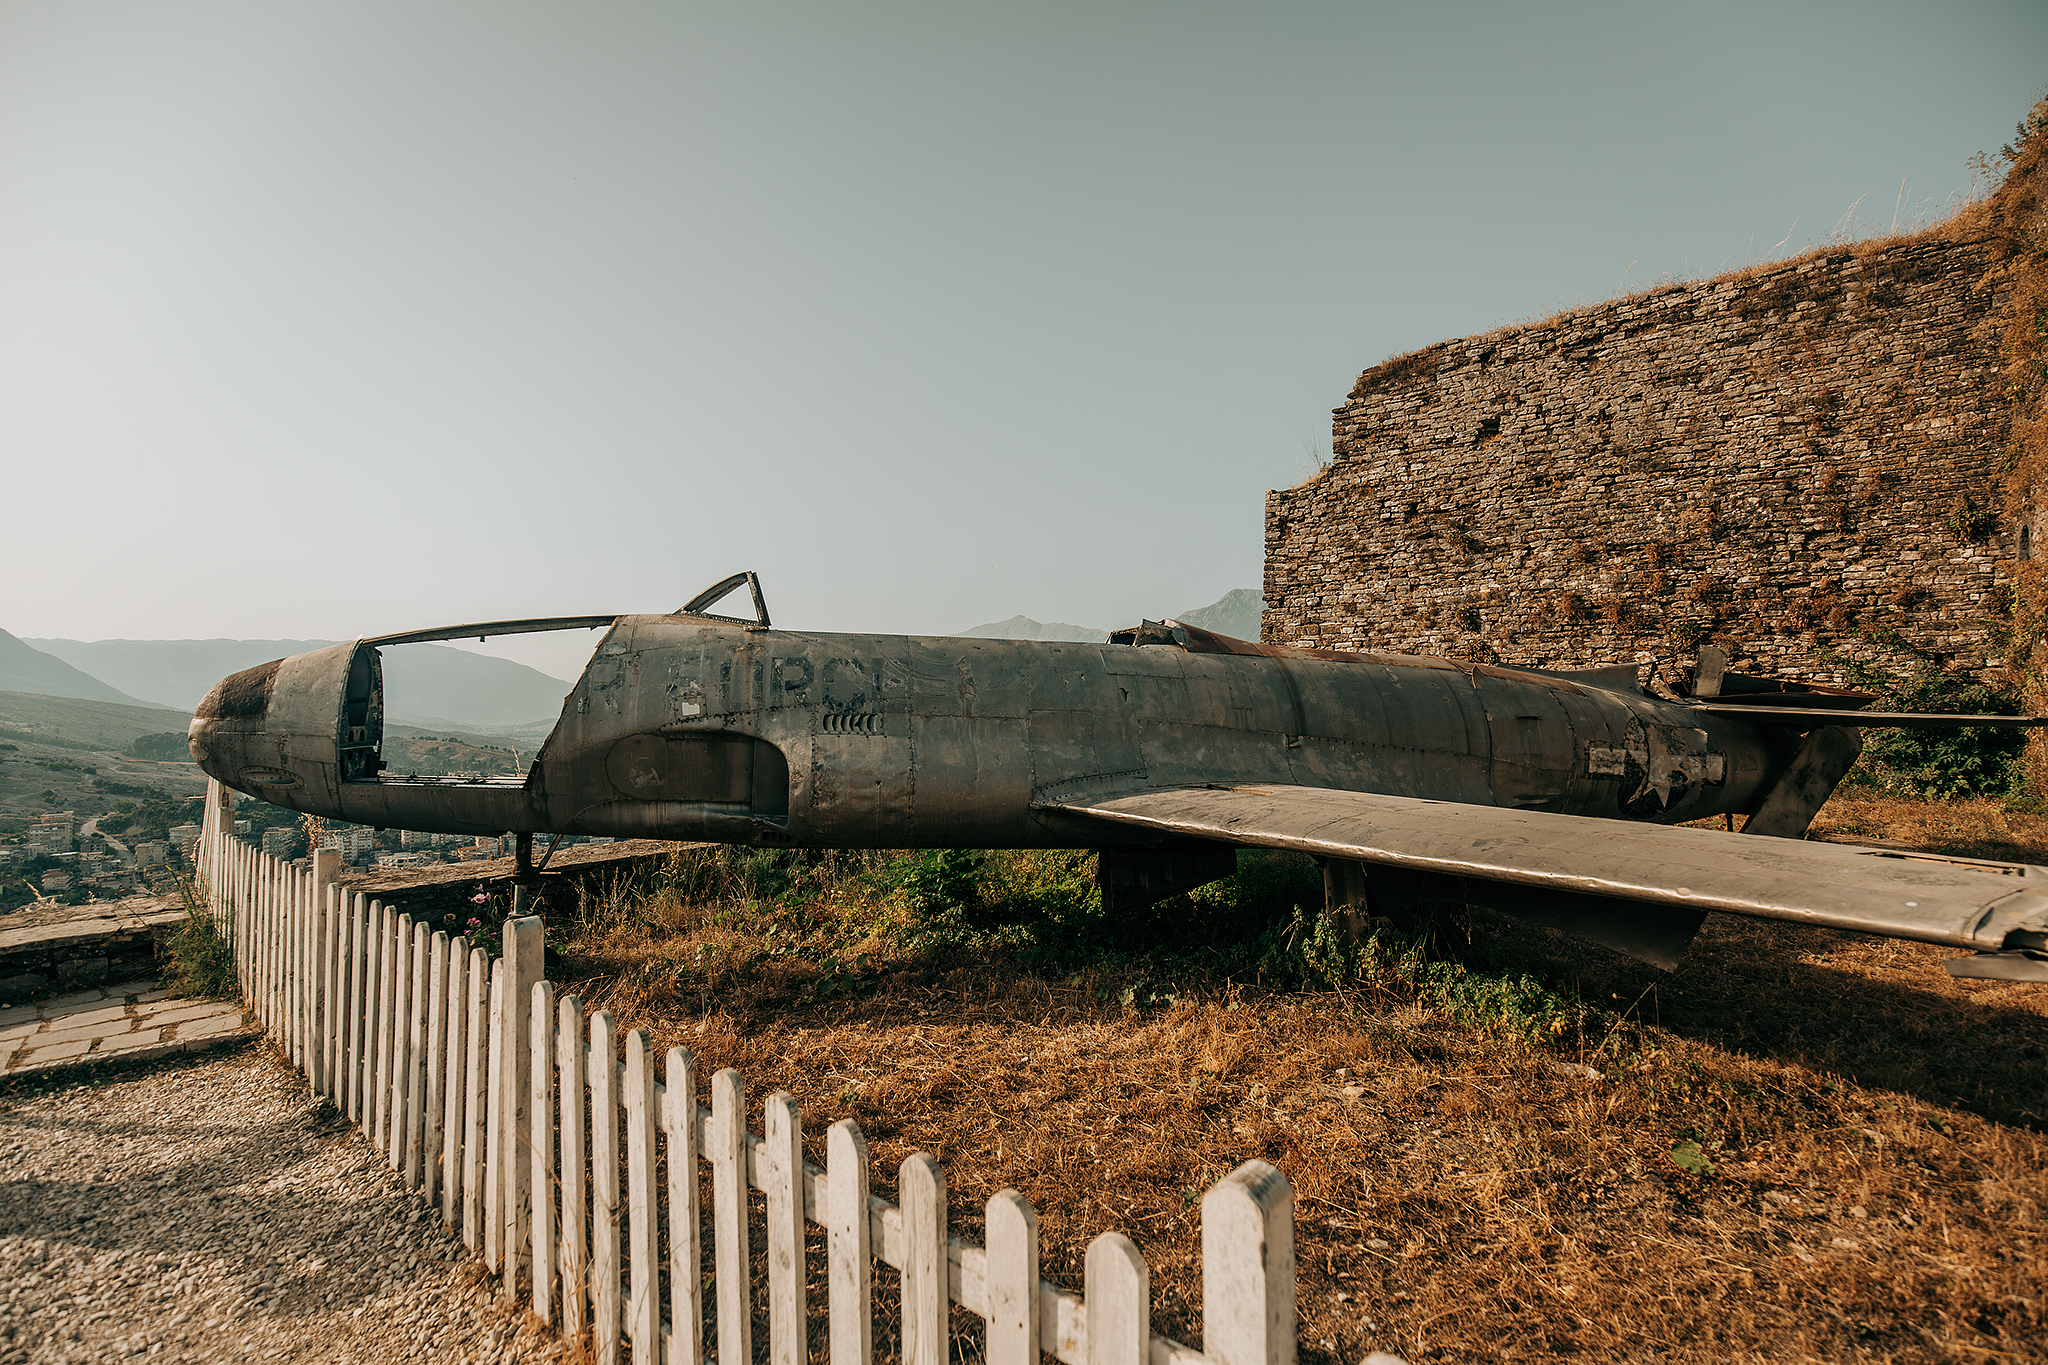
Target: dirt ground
206, 1210
1802, 1145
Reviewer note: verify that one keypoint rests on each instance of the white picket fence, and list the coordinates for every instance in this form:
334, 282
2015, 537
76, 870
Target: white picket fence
491, 1093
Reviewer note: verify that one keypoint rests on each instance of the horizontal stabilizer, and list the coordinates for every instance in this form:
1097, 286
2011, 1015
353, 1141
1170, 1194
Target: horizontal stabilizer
1965, 903
1807, 717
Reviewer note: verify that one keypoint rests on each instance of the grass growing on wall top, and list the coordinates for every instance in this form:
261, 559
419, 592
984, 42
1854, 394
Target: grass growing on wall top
2019, 226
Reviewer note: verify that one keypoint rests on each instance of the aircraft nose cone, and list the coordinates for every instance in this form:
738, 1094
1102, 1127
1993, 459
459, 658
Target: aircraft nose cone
227, 718
202, 737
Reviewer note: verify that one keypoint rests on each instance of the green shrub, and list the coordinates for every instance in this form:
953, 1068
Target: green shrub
162, 748
1974, 760
940, 888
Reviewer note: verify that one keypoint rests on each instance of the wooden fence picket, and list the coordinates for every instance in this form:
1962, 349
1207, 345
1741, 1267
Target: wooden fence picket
377, 1063
604, 1192
571, 1064
273, 924
685, 1251
238, 871
643, 1308
521, 962
300, 889
285, 887
729, 1183
544, 1182
849, 1268
494, 1125
266, 939
337, 991
358, 1002
1119, 1293
782, 1164
455, 1067
491, 1095
389, 979
315, 898
1248, 1268
260, 893
1012, 1271
475, 1115
292, 994
401, 1043
921, 1186
330, 967
415, 1059
433, 1133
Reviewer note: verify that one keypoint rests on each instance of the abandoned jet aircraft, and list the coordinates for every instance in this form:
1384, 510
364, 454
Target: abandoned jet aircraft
1555, 796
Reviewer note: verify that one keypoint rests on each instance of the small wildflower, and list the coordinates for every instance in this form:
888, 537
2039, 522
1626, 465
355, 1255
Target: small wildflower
474, 923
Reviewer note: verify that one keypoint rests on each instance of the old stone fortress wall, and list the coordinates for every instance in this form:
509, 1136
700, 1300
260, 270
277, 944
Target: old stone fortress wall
1785, 461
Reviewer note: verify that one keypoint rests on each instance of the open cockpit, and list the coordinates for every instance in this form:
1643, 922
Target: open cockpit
362, 743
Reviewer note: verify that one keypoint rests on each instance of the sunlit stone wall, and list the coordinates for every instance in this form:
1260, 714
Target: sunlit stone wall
1801, 463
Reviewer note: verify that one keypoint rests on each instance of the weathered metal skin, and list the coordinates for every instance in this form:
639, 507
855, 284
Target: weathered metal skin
693, 727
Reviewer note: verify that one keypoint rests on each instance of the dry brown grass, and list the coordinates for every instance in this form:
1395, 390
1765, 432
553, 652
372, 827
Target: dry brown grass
1979, 828
1875, 1125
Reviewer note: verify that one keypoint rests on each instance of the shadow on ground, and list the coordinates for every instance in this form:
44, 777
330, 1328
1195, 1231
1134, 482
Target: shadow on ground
1876, 1011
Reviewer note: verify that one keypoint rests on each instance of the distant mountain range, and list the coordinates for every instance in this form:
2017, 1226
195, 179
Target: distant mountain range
24, 668
1024, 628
1235, 614
430, 686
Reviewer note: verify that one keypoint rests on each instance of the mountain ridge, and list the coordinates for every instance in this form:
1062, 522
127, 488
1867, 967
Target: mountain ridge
432, 685
83, 722
1235, 614
24, 668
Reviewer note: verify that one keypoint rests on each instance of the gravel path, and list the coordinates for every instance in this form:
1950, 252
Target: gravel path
207, 1210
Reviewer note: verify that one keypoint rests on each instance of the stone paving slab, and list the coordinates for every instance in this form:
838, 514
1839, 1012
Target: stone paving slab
130, 1021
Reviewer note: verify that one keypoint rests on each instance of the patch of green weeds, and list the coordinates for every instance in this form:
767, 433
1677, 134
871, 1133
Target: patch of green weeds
1688, 1156
1442, 965
200, 960
855, 916
1944, 765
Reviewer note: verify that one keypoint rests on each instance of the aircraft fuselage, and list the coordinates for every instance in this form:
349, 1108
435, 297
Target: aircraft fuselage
684, 727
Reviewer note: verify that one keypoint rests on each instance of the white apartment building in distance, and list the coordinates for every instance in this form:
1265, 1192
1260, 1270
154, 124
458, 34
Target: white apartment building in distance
350, 842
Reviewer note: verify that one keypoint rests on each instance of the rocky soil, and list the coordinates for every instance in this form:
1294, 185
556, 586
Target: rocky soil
207, 1210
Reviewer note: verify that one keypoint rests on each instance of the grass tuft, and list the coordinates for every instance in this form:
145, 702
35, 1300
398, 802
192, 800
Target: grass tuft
199, 962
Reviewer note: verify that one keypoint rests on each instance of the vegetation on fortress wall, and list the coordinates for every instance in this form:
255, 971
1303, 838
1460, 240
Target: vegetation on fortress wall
2017, 225
1835, 467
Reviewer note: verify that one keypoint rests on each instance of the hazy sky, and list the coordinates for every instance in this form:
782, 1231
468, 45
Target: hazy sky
338, 319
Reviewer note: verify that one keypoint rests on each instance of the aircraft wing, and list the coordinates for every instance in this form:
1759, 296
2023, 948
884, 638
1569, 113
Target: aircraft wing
1963, 903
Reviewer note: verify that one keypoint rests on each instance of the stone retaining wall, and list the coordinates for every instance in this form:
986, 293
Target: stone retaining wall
67, 948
